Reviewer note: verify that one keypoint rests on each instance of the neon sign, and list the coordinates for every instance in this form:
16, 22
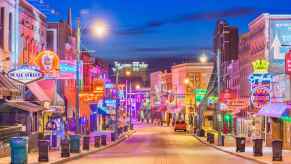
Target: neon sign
260, 66
199, 95
260, 82
67, 70
48, 61
25, 74
110, 102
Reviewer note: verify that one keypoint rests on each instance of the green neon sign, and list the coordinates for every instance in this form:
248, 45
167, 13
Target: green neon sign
199, 95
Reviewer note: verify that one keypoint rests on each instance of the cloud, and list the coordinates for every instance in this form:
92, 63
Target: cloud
152, 25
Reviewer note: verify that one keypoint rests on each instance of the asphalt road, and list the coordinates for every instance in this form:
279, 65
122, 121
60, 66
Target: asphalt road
160, 145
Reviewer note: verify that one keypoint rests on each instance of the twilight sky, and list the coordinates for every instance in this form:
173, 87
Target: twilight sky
161, 28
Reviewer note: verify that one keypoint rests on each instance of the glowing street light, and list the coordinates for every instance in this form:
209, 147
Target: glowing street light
186, 81
127, 73
203, 58
137, 86
99, 29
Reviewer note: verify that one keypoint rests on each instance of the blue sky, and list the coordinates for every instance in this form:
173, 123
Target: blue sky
161, 28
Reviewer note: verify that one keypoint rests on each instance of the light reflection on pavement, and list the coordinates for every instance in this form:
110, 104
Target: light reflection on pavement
160, 145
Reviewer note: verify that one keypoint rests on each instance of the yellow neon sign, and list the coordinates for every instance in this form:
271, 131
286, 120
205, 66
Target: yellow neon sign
260, 66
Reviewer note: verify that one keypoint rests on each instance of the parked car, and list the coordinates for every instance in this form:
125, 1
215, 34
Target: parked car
180, 125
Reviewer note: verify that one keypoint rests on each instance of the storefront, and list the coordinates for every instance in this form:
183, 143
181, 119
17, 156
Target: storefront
273, 124
24, 114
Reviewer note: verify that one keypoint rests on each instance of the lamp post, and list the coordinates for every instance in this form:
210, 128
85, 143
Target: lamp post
99, 29
78, 77
128, 74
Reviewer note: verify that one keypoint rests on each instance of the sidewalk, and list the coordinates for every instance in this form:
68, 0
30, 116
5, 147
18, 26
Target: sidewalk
55, 155
248, 154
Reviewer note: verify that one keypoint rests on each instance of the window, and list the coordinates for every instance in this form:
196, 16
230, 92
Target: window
2, 16
10, 31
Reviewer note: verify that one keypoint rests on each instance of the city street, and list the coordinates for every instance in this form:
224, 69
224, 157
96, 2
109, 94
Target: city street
160, 145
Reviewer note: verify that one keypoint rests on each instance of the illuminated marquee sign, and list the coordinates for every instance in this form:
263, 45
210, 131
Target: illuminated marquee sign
135, 66
199, 95
109, 86
237, 103
260, 96
288, 63
68, 69
25, 74
260, 82
212, 100
110, 102
260, 66
48, 62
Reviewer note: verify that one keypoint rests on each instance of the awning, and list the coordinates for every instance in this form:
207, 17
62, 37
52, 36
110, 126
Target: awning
275, 110
38, 92
7, 88
25, 106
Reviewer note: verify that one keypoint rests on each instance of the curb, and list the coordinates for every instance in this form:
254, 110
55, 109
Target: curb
231, 153
64, 160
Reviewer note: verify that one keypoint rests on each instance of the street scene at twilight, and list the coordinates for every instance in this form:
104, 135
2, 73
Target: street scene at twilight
145, 81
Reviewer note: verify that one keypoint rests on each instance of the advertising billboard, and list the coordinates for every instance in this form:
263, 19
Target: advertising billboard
280, 38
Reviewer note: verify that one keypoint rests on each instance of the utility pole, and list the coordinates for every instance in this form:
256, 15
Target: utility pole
117, 101
130, 108
78, 77
218, 87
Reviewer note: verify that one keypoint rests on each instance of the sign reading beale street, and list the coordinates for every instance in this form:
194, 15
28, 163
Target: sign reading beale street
25, 74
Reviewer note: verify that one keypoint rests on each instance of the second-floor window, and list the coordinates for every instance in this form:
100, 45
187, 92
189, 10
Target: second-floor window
10, 32
2, 17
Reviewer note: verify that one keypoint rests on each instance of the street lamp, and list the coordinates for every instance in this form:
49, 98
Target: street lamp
100, 30
128, 74
186, 81
203, 58
137, 87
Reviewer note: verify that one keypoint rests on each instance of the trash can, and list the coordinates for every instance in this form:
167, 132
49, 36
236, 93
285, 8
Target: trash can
220, 139
113, 136
75, 144
277, 150
19, 148
240, 144
194, 131
43, 149
207, 136
86, 143
103, 140
97, 142
65, 148
258, 147
211, 138
200, 133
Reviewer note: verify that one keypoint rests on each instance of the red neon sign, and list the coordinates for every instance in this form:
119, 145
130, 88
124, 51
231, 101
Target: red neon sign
288, 62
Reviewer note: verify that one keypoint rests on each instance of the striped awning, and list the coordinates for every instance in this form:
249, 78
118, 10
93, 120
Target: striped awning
25, 106
7, 87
